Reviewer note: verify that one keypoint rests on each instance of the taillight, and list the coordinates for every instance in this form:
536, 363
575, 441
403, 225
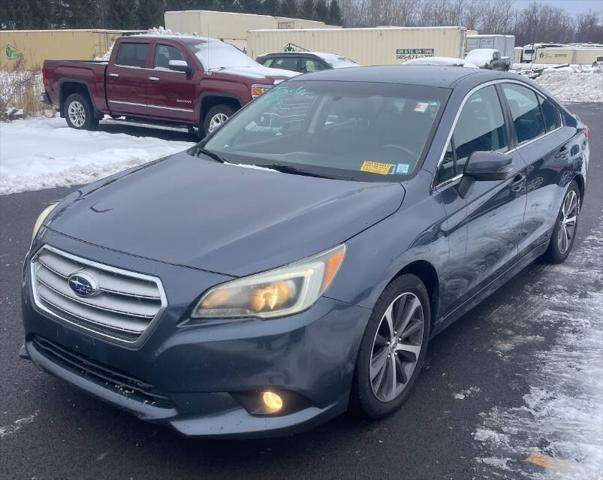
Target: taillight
587, 133
44, 79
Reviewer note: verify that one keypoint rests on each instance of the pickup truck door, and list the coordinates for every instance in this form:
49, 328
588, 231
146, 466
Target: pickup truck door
127, 79
170, 94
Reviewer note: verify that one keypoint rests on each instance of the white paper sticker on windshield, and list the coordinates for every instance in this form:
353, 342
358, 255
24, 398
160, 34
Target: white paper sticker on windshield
421, 107
402, 168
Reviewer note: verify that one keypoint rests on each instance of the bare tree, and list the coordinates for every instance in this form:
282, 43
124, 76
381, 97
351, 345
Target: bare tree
535, 23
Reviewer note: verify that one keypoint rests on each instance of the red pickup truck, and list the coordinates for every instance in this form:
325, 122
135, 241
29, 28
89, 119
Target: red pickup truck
184, 80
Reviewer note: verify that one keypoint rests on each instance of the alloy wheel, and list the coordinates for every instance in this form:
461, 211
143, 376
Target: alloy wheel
568, 221
396, 347
77, 113
216, 121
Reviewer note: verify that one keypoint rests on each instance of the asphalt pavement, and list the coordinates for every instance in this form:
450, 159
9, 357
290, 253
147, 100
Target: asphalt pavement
50, 430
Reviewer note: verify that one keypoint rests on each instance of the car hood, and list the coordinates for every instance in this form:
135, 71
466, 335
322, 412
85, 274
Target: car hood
256, 73
223, 218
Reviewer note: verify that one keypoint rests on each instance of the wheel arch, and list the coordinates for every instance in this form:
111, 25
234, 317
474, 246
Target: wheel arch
429, 276
209, 101
581, 186
68, 87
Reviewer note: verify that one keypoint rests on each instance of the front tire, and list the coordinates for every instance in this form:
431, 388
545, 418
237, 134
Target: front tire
566, 227
393, 348
79, 113
216, 117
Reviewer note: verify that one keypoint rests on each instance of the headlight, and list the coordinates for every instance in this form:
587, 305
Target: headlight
258, 89
276, 293
41, 218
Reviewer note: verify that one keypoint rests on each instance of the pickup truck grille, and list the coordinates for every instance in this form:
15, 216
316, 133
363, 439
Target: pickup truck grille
121, 304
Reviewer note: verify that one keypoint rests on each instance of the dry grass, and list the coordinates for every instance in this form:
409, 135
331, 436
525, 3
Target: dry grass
20, 90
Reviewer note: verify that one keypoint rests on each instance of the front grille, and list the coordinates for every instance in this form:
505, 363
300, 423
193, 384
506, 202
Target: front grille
100, 374
121, 306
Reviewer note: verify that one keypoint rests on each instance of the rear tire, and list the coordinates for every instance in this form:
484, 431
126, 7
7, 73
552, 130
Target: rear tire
216, 117
566, 227
79, 112
392, 353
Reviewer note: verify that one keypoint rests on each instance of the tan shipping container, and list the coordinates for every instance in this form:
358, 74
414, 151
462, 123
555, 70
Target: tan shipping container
554, 55
368, 46
562, 55
230, 25
226, 25
29, 48
517, 51
587, 56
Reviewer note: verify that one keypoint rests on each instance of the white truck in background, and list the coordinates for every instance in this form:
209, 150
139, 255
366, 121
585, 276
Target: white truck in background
494, 52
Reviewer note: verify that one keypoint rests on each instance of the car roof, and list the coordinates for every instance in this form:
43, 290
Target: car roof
289, 54
427, 75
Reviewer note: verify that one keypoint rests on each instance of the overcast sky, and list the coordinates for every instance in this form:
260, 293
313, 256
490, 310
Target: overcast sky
573, 6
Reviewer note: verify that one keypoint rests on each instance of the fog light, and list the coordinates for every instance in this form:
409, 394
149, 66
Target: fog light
272, 401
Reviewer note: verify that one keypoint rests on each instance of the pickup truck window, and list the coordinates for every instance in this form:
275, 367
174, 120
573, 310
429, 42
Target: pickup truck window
165, 53
132, 54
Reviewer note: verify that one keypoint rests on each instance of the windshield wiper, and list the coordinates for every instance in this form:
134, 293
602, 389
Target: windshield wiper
208, 153
293, 170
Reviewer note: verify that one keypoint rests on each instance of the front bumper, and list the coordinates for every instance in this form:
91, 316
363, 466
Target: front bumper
199, 369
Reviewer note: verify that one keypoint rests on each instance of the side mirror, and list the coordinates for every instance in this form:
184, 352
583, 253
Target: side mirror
180, 66
485, 167
489, 166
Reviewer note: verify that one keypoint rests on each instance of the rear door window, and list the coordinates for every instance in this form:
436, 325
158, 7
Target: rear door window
525, 110
286, 63
132, 54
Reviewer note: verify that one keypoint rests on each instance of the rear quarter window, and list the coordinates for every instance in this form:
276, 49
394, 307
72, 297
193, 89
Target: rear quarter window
552, 117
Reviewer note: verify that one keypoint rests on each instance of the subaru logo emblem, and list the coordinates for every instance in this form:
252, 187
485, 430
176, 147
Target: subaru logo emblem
83, 284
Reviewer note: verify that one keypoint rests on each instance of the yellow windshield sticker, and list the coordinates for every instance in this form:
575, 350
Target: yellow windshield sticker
376, 167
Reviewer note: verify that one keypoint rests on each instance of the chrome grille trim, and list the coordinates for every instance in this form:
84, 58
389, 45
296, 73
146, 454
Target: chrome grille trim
126, 308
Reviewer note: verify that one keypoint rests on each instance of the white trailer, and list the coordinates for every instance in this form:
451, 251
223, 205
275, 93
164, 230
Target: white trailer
505, 44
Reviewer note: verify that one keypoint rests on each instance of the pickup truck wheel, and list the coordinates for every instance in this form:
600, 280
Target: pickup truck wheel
216, 117
79, 112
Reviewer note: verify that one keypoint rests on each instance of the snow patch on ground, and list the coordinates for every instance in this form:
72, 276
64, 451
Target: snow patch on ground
44, 153
562, 414
500, 463
17, 425
507, 345
468, 393
567, 85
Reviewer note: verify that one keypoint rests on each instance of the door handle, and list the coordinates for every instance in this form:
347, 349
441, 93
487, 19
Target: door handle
519, 178
518, 181
562, 153
154, 79
116, 75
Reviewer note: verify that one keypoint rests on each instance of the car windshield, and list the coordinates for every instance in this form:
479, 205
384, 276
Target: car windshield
215, 55
351, 130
